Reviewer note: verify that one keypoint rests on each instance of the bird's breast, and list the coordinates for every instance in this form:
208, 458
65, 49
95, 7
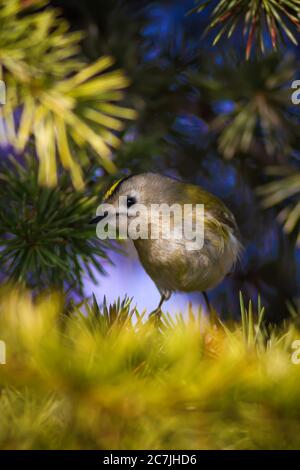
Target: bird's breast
173, 267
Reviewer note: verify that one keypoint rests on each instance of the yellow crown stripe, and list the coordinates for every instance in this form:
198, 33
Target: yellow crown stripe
112, 189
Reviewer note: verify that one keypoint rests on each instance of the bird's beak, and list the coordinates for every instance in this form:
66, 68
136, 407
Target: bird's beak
97, 219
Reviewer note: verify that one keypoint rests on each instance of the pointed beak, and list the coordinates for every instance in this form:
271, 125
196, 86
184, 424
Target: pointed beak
97, 219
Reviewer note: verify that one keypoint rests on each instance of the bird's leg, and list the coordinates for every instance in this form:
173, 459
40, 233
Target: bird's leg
212, 314
162, 299
157, 311
205, 296
165, 295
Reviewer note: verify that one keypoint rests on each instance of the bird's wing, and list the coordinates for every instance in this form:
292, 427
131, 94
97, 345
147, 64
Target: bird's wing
213, 207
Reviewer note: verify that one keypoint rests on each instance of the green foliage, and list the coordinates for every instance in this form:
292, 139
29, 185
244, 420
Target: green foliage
46, 241
106, 318
277, 18
35, 44
254, 334
66, 106
284, 192
259, 126
259, 115
107, 379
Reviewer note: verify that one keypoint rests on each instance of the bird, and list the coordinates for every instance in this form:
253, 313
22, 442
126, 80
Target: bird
170, 262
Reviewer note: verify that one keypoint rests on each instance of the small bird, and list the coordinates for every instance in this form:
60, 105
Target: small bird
168, 262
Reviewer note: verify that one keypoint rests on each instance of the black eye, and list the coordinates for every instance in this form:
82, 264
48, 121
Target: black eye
130, 201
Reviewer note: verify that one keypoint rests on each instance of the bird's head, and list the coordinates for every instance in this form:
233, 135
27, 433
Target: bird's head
122, 198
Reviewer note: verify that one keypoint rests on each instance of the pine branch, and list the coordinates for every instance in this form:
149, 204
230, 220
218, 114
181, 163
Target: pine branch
53, 97
46, 241
254, 100
284, 194
260, 20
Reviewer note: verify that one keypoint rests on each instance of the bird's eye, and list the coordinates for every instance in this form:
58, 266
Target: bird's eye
130, 201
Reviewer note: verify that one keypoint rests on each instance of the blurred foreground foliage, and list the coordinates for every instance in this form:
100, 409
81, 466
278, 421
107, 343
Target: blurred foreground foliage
105, 378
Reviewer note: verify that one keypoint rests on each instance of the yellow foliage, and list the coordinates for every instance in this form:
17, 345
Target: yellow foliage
64, 104
109, 379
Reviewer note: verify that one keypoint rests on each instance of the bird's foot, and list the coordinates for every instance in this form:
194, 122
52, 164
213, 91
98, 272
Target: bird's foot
155, 316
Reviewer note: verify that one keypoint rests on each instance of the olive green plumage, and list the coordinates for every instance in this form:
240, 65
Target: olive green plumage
170, 265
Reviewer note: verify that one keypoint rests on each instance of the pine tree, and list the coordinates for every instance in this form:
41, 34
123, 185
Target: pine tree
211, 119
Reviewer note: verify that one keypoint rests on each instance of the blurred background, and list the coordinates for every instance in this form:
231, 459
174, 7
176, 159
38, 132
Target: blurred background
195, 92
